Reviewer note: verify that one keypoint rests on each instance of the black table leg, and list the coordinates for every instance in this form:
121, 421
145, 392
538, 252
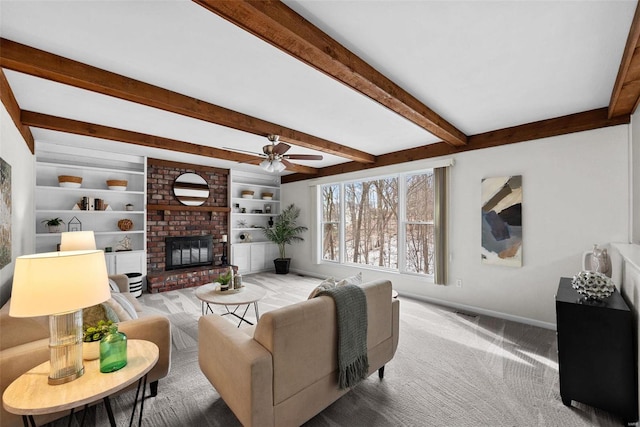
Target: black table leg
144, 387
71, 417
135, 401
107, 404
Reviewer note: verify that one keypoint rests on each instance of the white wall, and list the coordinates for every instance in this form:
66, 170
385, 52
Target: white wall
14, 151
634, 159
575, 194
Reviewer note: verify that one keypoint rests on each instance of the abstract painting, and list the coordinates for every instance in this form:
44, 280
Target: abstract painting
5, 213
502, 221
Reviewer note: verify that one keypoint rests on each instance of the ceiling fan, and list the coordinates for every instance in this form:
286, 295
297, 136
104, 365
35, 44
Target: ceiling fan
274, 157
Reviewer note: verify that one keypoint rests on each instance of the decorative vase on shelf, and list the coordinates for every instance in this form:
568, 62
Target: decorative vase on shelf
113, 351
270, 221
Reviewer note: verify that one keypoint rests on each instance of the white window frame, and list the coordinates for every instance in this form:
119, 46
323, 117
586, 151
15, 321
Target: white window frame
402, 223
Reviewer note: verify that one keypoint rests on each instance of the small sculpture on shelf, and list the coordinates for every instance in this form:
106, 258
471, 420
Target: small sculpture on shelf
593, 285
124, 244
74, 224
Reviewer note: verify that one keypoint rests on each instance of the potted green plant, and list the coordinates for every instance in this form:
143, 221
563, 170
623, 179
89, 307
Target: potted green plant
285, 231
53, 224
91, 336
224, 280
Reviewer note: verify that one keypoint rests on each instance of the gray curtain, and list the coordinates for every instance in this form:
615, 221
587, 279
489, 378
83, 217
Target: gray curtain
442, 250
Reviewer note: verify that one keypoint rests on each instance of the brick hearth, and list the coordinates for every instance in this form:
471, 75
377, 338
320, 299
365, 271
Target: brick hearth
174, 222
163, 281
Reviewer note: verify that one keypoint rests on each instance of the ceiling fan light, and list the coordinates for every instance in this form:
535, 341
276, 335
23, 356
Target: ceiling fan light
266, 165
279, 166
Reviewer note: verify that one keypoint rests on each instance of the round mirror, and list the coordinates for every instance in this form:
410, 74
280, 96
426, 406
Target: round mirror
191, 189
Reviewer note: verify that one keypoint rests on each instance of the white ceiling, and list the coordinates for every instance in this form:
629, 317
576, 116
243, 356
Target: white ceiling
482, 65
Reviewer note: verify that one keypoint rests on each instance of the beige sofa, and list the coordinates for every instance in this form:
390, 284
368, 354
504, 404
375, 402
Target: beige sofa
24, 344
284, 372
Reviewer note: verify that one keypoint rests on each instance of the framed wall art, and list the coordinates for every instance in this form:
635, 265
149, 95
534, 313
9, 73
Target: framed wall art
502, 221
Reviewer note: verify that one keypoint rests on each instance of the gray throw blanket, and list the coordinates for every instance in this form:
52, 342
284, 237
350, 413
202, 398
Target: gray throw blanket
351, 314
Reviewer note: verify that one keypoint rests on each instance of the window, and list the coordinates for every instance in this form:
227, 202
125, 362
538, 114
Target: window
393, 222
419, 226
330, 222
371, 222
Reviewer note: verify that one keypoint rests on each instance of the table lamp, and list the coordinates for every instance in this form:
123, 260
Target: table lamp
60, 285
77, 241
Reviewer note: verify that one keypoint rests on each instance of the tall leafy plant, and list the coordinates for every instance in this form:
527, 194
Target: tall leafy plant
285, 230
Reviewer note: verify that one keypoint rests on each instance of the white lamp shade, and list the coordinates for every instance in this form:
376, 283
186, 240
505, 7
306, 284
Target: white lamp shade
58, 282
77, 241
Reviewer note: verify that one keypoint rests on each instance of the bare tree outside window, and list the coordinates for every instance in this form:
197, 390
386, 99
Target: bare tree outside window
371, 222
331, 222
373, 228
419, 227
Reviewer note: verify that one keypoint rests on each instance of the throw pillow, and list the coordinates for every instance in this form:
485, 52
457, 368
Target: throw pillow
353, 280
111, 315
114, 286
326, 284
126, 305
91, 315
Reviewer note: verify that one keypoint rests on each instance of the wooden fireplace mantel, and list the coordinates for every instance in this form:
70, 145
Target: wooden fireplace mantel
167, 208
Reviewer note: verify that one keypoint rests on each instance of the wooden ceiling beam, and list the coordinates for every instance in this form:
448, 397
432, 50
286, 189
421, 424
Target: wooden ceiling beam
280, 26
45, 121
10, 103
626, 90
28, 60
578, 122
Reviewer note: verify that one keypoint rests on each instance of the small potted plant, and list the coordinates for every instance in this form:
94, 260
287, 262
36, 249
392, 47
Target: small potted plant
53, 224
91, 336
224, 280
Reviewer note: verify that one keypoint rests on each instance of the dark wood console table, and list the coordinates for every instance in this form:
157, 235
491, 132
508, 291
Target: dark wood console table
596, 352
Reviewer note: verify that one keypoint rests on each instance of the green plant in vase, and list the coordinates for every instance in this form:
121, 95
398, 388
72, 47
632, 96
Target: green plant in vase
225, 279
284, 231
53, 224
91, 336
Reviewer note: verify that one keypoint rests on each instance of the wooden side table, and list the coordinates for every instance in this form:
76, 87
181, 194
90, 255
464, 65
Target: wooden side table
30, 394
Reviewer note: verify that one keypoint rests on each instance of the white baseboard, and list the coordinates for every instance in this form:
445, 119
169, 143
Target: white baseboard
467, 308
483, 311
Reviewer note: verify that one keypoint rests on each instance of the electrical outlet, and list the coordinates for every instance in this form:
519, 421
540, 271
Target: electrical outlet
459, 283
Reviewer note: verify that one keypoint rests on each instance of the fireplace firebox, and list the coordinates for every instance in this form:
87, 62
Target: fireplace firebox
188, 251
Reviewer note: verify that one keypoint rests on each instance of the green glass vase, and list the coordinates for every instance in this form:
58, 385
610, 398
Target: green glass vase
113, 351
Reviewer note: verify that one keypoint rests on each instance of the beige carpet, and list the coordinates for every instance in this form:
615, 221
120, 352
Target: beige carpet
451, 369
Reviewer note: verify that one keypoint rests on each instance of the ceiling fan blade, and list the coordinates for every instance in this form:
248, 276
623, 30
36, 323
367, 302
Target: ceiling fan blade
303, 156
255, 161
299, 168
281, 148
244, 151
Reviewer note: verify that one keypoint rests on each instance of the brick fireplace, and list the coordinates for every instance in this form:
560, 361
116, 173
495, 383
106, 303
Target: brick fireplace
167, 217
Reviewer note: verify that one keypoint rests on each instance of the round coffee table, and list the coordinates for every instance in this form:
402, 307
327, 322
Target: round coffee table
247, 295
